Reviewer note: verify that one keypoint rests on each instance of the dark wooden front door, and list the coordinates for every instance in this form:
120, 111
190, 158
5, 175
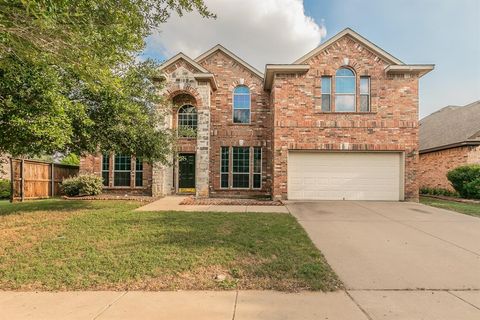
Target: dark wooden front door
186, 173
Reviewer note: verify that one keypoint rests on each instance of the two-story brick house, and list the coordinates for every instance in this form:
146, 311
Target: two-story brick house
339, 123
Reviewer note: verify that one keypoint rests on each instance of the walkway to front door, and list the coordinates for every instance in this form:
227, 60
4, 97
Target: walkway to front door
186, 173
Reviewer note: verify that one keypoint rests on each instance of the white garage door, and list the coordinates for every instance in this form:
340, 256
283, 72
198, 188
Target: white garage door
344, 176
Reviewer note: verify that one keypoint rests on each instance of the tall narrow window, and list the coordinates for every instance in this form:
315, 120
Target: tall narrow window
187, 121
364, 94
138, 172
344, 90
257, 168
241, 167
122, 168
106, 169
224, 167
326, 93
241, 104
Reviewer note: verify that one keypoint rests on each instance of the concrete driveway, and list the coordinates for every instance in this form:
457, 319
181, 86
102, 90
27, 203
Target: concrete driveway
399, 260
394, 245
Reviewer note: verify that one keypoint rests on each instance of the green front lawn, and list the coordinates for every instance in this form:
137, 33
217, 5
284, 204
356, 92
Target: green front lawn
472, 209
79, 245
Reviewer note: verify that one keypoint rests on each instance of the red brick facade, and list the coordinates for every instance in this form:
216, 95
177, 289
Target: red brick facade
392, 124
435, 165
288, 116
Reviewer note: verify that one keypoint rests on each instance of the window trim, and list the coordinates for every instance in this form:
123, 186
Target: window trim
138, 171
115, 170
346, 94
251, 169
249, 105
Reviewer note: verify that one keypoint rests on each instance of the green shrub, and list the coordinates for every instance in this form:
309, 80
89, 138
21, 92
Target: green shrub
466, 180
5, 189
82, 185
438, 192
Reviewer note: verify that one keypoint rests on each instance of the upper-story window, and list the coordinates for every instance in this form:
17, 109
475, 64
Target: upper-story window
326, 93
241, 104
365, 94
345, 90
187, 120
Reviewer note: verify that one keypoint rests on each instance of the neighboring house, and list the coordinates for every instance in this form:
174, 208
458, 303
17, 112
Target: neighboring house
449, 138
341, 122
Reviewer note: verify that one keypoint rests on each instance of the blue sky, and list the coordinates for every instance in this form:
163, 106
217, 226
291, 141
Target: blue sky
443, 32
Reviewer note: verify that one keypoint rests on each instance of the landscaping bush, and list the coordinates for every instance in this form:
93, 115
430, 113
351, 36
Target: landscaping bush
83, 185
466, 180
438, 192
5, 189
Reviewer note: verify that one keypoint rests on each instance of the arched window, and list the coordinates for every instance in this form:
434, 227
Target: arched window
187, 120
241, 104
344, 90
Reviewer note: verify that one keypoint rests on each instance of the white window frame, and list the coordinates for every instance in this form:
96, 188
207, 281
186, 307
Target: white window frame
366, 94
243, 173
253, 168
325, 93
228, 169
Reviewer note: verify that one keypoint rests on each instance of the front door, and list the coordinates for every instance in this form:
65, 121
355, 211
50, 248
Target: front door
186, 173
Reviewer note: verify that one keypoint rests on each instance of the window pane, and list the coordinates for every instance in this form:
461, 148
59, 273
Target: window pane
241, 159
224, 160
241, 180
326, 84
241, 116
187, 119
257, 181
121, 179
105, 177
345, 85
224, 180
325, 102
364, 103
122, 162
345, 103
138, 179
257, 160
344, 72
241, 104
364, 85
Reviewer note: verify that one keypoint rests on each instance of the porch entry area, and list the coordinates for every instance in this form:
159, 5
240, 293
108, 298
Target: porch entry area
186, 173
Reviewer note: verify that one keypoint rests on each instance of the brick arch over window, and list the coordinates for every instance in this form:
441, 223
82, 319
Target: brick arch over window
174, 90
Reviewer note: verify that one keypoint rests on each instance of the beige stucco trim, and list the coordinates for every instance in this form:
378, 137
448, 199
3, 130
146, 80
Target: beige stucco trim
207, 76
221, 48
370, 45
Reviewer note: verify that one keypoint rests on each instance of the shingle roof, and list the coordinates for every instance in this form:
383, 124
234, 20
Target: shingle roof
450, 126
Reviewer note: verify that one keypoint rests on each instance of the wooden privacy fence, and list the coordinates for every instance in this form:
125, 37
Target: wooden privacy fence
32, 179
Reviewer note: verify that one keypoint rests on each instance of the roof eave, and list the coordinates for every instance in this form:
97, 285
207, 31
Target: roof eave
272, 69
183, 56
451, 145
420, 69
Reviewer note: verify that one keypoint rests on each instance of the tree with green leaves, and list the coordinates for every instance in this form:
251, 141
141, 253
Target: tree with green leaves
70, 80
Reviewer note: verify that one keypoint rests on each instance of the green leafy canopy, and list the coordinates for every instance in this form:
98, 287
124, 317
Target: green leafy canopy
70, 80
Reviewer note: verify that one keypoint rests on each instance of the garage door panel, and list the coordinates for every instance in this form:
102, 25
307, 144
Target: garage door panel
349, 176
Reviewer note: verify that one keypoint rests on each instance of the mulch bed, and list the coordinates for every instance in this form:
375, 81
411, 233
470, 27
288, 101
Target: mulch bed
145, 199
451, 198
229, 202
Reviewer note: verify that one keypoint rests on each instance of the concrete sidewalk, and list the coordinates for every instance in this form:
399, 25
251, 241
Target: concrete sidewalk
172, 203
242, 305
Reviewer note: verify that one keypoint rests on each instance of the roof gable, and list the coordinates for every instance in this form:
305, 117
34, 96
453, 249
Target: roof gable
368, 44
230, 54
181, 56
450, 126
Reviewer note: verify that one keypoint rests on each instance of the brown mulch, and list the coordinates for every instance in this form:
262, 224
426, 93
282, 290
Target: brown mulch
229, 202
114, 197
451, 198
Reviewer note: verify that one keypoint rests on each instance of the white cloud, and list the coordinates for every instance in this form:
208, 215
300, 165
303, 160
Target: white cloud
259, 31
